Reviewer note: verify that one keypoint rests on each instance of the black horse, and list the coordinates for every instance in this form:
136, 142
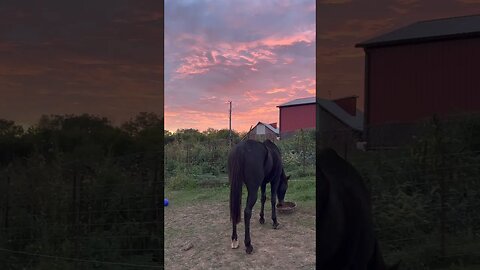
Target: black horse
346, 236
255, 164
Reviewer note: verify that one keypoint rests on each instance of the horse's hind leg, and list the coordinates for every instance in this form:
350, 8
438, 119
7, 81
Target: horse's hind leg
273, 199
262, 200
251, 200
234, 236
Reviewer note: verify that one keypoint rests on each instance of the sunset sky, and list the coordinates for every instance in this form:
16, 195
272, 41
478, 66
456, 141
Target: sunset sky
344, 23
258, 54
104, 57
98, 57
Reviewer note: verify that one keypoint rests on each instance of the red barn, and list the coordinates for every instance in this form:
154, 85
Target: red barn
297, 114
426, 68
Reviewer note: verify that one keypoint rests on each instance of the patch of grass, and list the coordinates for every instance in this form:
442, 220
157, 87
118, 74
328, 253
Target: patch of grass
302, 190
181, 181
181, 193
301, 172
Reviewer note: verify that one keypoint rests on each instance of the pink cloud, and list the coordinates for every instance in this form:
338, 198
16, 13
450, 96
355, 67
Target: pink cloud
233, 54
304, 36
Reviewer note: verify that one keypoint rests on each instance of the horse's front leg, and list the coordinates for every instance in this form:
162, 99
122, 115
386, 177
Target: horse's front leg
262, 200
251, 200
273, 199
234, 236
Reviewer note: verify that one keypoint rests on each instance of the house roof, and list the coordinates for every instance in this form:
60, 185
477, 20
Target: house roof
299, 101
275, 130
430, 30
355, 122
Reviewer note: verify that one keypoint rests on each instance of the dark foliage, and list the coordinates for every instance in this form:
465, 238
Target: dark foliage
77, 187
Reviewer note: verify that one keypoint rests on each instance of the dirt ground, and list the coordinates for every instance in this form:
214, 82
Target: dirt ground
198, 237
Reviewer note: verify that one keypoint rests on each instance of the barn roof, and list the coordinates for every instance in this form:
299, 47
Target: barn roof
355, 122
299, 101
430, 30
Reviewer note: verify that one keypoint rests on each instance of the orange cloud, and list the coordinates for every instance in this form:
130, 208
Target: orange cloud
250, 96
276, 90
254, 107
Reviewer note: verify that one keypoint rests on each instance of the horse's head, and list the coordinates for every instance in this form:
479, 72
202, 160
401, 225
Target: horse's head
282, 189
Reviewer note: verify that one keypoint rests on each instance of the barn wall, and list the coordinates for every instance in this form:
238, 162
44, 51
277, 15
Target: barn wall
294, 118
408, 83
411, 82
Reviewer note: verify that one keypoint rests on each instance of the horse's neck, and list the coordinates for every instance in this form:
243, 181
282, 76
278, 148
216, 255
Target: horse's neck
324, 187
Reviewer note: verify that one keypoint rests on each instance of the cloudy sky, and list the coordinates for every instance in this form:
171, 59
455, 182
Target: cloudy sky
99, 57
344, 23
258, 54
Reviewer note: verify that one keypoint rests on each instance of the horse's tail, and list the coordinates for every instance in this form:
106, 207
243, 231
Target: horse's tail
235, 175
379, 263
395, 266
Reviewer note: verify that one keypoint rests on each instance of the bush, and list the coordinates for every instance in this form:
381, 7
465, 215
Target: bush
406, 189
193, 153
181, 181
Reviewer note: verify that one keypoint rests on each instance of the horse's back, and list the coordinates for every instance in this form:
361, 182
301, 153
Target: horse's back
254, 159
252, 149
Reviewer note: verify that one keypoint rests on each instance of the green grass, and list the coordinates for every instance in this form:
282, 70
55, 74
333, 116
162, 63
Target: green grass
299, 190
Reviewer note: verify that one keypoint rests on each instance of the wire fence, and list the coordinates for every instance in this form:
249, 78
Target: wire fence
203, 162
82, 214
106, 213
424, 182
81, 211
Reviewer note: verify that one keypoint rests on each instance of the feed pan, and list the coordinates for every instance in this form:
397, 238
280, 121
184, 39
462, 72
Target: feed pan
286, 207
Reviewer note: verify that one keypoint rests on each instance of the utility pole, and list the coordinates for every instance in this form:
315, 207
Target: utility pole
230, 124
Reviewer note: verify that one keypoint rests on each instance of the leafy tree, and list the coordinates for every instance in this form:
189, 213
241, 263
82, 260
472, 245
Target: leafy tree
11, 143
141, 122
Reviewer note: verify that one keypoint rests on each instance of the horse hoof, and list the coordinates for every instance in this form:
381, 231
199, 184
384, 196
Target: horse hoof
234, 244
249, 249
262, 220
275, 225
